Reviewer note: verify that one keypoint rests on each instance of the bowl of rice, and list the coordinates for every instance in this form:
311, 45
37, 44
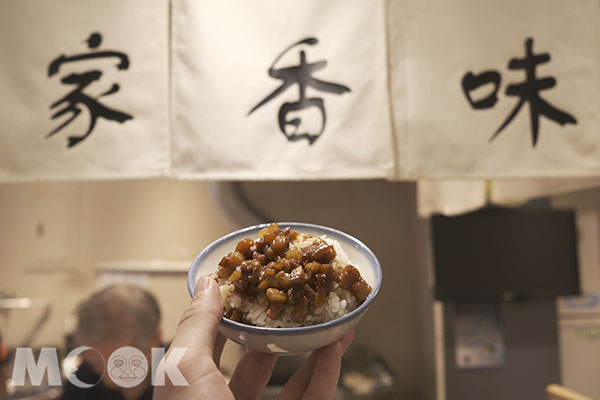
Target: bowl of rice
289, 288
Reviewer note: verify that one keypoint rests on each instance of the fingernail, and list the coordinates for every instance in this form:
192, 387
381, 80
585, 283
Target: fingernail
203, 284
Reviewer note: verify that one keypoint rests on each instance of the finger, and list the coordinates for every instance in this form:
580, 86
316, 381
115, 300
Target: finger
326, 373
346, 340
294, 388
298, 383
197, 330
252, 374
199, 323
219, 344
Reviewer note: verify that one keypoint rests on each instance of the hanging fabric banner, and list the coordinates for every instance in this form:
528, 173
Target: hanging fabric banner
485, 89
453, 197
299, 89
280, 90
450, 197
84, 89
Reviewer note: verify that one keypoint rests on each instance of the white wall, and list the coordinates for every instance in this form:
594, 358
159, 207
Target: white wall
85, 223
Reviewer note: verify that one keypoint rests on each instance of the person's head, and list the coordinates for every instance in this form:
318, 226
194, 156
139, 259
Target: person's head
115, 317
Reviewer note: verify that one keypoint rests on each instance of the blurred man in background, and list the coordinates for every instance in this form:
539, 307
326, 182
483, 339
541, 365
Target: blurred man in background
3, 372
116, 318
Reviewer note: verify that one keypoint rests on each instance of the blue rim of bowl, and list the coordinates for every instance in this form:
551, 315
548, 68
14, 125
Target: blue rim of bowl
191, 282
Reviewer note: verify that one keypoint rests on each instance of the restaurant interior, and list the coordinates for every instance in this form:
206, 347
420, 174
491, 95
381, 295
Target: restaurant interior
135, 136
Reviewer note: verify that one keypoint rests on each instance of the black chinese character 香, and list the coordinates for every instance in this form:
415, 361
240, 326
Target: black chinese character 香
301, 75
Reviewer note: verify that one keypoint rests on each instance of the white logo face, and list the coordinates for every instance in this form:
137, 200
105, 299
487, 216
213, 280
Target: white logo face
127, 367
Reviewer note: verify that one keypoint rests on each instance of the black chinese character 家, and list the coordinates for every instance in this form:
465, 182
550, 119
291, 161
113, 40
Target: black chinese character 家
527, 92
301, 75
75, 101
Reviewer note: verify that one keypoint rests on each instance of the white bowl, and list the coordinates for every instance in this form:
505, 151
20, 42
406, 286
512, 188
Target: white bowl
290, 340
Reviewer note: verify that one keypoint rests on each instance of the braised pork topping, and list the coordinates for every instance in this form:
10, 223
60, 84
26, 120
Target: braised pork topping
287, 275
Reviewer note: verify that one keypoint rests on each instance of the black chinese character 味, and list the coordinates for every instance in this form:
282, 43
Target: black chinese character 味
528, 92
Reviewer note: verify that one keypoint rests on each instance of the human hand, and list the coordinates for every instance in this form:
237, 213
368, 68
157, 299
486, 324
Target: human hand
317, 378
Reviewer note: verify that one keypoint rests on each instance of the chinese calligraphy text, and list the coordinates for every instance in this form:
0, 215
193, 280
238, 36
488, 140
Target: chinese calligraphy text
527, 92
73, 102
302, 75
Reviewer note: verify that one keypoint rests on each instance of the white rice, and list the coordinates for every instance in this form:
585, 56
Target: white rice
339, 302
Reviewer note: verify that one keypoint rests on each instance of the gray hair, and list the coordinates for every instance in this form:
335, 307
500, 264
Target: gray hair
118, 312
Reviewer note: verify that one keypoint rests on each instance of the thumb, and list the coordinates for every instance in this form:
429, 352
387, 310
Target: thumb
197, 329
196, 333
